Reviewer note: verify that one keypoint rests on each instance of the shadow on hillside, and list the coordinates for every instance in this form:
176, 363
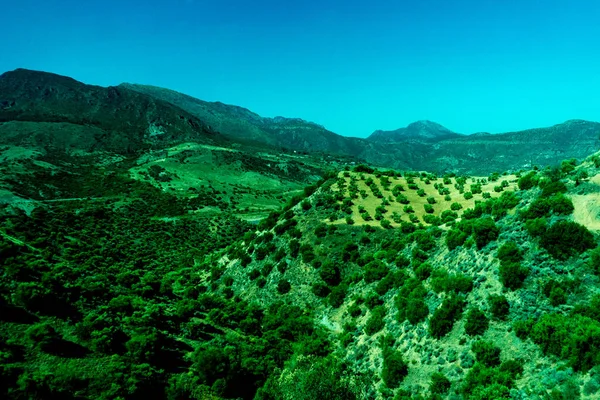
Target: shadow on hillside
64, 348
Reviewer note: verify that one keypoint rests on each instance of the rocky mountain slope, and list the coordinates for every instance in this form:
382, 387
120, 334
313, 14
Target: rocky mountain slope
91, 117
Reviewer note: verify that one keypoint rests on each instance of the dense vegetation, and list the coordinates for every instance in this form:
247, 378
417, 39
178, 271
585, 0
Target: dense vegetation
127, 297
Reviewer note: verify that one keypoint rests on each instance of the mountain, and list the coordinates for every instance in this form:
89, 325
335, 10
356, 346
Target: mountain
243, 125
91, 117
133, 118
423, 145
63, 140
420, 130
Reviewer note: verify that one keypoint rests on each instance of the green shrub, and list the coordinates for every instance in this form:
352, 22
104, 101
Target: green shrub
428, 208
455, 238
456, 206
553, 188
283, 286
442, 281
509, 252
536, 227
575, 338
564, 239
561, 205
595, 260
476, 322
386, 224
468, 195
423, 271
416, 310
439, 383
443, 318
512, 275
337, 295
432, 220
499, 306
330, 273
528, 181
485, 231
431, 200
486, 353
320, 289
394, 370
375, 322
375, 271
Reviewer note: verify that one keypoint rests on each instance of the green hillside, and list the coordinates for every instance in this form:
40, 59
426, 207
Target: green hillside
493, 294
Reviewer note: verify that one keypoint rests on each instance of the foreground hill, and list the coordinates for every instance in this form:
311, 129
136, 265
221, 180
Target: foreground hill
356, 289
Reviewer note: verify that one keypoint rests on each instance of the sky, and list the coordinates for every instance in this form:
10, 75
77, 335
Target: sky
352, 66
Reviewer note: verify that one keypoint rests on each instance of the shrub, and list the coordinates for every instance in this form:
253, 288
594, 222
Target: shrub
476, 322
439, 383
485, 231
431, 200
283, 286
574, 338
320, 289
455, 238
386, 224
337, 295
416, 310
509, 252
442, 281
330, 273
375, 322
595, 260
565, 239
512, 275
486, 353
468, 195
375, 271
423, 271
528, 181
394, 370
561, 205
536, 227
456, 206
499, 306
443, 318
432, 220
553, 188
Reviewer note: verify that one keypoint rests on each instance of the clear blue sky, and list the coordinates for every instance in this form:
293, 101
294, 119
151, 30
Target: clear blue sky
353, 66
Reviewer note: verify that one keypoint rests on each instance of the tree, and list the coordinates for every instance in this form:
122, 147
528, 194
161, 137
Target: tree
476, 322
395, 369
565, 239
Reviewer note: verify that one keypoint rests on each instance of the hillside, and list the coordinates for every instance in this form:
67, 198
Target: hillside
62, 140
490, 293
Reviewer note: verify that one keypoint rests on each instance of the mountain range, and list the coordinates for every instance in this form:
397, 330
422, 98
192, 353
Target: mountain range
132, 117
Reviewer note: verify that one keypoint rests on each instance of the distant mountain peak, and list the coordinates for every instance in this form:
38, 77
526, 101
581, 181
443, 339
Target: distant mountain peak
418, 130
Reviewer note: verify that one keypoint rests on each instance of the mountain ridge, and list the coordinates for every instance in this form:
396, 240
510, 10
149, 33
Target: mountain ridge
134, 117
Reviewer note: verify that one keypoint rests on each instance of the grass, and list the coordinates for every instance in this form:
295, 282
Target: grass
417, 202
